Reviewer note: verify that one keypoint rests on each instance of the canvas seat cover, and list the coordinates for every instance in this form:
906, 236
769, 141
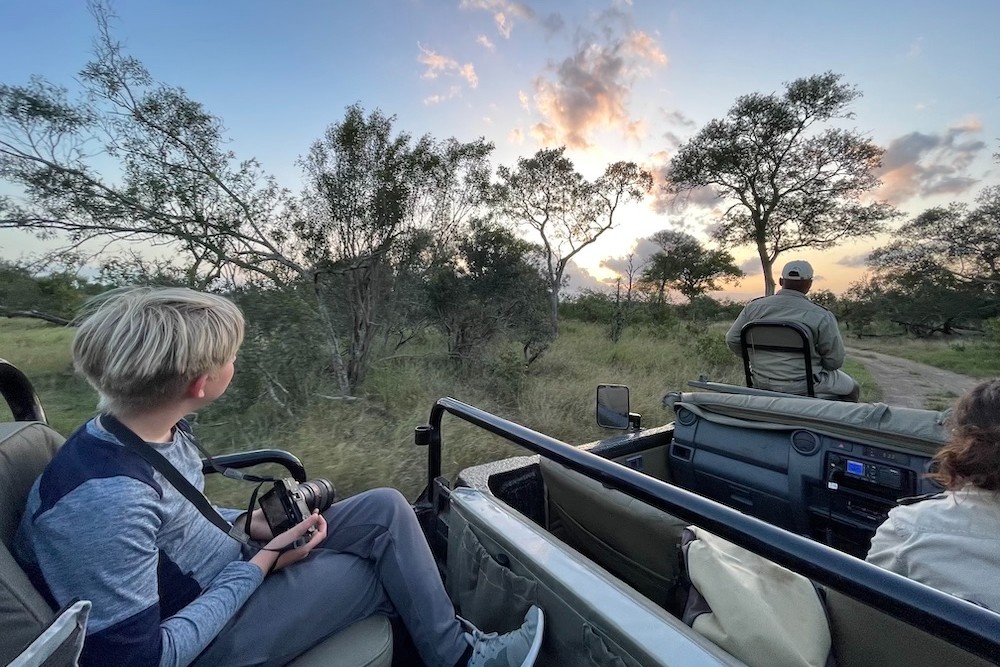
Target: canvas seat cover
636, 542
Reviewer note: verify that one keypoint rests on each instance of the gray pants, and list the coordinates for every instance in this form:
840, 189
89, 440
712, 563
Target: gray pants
374, 560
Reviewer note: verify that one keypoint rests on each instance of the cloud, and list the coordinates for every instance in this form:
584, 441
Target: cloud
516, 136
751, 267
485, 42
505, 13
590, 89
522, 98
579, 279
453, 92
854, 261
439, 65
553, 23
677, 118
921, 165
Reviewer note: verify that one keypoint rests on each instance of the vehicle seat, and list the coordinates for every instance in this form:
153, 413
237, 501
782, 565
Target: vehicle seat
605, 525
25, 450
768, 339
864, 635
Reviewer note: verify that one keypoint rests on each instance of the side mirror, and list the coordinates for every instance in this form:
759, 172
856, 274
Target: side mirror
612, 406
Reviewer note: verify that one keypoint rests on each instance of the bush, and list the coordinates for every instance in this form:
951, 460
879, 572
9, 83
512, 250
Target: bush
991, 331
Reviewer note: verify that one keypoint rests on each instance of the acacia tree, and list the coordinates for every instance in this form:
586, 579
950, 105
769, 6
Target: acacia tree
548, 195
685, 265
788, 183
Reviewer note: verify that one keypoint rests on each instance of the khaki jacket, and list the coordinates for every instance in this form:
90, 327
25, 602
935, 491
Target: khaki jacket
791, 306
950, 541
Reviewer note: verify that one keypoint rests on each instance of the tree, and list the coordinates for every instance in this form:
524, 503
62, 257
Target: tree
369, 192
133, 160
953, 239
568, 212
685, 265
489, 289
943, 268
788, 183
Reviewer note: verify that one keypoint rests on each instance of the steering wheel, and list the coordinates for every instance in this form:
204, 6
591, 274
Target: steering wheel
19, 394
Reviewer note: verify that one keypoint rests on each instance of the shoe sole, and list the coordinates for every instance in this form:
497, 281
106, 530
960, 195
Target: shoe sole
536, 644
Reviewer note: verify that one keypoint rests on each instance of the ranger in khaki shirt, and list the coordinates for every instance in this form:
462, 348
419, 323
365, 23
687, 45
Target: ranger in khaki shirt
783, 372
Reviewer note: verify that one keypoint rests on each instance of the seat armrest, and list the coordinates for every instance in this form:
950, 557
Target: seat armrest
239, 460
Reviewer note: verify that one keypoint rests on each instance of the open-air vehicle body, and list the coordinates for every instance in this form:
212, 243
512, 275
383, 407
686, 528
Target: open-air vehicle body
585, 531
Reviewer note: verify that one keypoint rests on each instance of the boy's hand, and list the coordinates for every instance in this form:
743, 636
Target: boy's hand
315, 520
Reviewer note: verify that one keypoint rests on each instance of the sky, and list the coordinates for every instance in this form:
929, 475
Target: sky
612, 80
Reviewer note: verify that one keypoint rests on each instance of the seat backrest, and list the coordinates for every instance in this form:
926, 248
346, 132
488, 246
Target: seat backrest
774, 337
864, 635
637, 543
25, 450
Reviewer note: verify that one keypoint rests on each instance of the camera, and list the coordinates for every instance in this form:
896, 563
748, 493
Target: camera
288, 502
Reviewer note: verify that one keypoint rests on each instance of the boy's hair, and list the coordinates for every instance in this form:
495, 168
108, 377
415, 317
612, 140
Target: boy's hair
141, 346
972, 455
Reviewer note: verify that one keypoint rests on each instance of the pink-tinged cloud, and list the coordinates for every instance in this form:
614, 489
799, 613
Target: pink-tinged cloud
485, 42
522, 98
921, 165
590, 89
516, 136
505, 13
643, 46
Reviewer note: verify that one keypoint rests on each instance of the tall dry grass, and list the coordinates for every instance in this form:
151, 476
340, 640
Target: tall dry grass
368, 442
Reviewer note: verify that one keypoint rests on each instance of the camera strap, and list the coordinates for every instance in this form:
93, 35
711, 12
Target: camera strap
135, 444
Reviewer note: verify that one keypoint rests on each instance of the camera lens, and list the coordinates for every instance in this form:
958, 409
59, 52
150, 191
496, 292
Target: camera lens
318, 494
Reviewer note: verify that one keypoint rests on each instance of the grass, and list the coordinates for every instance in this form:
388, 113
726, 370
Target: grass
368, 443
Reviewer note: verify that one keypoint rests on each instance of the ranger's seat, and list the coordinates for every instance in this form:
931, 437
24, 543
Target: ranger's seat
26, 447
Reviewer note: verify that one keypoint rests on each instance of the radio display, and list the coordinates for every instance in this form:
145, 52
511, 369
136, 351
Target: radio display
856, 468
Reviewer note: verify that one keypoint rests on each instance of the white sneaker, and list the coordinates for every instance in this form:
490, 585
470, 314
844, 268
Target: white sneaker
514, 649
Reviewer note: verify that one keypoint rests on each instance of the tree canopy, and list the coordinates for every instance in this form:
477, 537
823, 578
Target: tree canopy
683, 264
568, 212
788, 182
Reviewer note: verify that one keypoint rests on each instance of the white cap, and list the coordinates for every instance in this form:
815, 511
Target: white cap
797, 269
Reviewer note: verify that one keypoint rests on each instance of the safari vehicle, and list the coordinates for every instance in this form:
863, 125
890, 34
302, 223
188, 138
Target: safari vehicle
593, 533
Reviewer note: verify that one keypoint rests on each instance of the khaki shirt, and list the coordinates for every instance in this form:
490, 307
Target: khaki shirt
950, 542
791, 306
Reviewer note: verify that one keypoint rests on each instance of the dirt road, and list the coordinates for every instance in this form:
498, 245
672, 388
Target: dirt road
910, 384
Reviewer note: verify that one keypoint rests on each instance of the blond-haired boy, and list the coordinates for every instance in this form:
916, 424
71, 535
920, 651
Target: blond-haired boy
168, 587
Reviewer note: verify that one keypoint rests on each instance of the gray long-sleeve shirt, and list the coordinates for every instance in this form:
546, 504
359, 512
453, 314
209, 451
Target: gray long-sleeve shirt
102, 525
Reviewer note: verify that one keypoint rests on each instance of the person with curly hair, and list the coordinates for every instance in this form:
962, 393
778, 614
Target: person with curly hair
951, 540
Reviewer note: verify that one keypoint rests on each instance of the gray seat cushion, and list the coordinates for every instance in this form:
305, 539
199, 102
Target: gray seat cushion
367, 643
25, 450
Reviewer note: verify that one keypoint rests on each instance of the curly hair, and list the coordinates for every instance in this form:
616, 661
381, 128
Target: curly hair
972, 454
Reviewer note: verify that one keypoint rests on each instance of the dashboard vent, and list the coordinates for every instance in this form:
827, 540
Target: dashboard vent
686, 417
805, 442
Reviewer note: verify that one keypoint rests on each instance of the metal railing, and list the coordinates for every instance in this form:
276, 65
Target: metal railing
974, 629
